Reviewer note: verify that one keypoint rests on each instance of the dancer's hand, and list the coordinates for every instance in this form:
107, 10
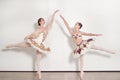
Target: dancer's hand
61, 16
56, 11
26, 37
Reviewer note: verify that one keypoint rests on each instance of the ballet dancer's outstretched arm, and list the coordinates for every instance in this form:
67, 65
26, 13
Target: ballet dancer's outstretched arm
49, 26
66, 24
90, 34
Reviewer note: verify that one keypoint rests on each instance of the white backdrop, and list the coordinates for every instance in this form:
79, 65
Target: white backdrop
18, 18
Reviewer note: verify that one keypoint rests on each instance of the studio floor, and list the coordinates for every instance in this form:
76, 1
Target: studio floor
59, 76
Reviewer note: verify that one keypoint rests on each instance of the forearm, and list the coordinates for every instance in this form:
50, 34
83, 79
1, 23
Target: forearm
91, 34
52, 19
66, 24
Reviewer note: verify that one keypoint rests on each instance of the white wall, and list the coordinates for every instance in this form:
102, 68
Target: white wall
18, 18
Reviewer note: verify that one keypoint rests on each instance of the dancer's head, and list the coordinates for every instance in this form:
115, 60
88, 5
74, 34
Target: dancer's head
78, 25
41, 21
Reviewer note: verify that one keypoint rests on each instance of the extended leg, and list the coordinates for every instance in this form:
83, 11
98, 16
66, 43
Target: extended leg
22, 45
38, 64
102, 49
81, 67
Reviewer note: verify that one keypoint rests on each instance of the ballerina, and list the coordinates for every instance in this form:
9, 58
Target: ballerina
82, 44
36, 39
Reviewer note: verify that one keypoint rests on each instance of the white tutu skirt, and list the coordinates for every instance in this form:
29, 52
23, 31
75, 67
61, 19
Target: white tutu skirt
37, 44
83, 47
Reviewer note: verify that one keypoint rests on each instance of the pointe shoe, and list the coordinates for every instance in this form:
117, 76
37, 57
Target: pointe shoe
9, 46
39, 75
112, 52
81, 75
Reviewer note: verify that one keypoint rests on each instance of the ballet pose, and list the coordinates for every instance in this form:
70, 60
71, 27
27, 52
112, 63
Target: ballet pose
82, 44
36, 39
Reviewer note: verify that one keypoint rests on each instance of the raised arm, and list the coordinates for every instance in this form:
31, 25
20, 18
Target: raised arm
90, 34
66, 24
51, 20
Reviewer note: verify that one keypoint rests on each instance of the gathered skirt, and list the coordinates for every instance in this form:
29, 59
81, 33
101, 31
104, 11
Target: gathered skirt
37, 44
83, 46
